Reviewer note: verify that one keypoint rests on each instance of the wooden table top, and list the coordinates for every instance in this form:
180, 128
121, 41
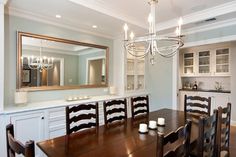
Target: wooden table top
118, 141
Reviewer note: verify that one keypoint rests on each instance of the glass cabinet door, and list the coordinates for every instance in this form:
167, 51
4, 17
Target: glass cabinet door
135, 71
222, 61
188, 63
204, 62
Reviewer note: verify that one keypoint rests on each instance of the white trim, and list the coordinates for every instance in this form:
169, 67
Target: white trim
2, 57
210, 41
62, 71
51, 21
200, 15
175, 67
233, 123
211, 26
87, 63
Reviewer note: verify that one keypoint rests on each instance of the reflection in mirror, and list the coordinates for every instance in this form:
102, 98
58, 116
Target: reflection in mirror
46, 62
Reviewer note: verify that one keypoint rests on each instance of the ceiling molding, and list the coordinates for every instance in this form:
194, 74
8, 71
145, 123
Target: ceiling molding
216, 25
200, 15
210, 41
113, 12
51, 21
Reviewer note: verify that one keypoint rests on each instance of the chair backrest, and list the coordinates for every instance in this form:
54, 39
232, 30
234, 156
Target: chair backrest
115, 111
83, 116
223, 132
197, 106
181, 134
139, 106
207, 145
16, 147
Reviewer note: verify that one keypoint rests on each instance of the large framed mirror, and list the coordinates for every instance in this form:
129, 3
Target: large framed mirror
49, 63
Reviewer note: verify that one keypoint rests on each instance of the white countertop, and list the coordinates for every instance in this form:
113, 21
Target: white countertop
61, 103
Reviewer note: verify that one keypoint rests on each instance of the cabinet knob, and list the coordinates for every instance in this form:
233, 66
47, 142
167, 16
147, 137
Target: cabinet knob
42, 117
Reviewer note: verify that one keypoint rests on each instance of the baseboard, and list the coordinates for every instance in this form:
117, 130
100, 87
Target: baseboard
233, 123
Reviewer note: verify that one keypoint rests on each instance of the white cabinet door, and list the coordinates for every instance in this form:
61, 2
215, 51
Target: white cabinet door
29, 126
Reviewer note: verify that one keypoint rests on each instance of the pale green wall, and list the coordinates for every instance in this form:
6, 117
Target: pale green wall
83, 63
12, 24
159, 82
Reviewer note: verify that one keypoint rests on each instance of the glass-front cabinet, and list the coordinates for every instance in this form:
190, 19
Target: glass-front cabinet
188, 64
212, 62
204, 62
135, 73
222, 61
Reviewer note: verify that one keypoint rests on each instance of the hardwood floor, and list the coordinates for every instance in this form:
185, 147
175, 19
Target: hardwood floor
233, 141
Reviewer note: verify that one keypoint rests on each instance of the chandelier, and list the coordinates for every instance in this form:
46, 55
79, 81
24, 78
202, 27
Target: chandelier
166, 46
39, 62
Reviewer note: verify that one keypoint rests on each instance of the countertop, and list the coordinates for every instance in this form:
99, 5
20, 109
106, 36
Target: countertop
206, 90
62, 103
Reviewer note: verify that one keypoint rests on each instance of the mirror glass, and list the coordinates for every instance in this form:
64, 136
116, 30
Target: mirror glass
49, 63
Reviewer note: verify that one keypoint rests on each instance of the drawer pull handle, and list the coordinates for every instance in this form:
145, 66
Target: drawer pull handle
42, 117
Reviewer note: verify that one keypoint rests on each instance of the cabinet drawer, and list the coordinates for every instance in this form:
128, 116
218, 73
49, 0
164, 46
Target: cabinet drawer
56, 113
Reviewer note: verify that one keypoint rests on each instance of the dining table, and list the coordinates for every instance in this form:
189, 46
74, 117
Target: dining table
122, 140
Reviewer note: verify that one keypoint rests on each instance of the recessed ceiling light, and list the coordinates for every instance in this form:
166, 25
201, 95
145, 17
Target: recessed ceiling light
58, 16
95, 26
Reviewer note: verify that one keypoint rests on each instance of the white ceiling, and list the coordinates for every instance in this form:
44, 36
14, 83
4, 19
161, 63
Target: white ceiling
110, 15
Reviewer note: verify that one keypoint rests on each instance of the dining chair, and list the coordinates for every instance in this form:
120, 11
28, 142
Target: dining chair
81, 117
197, 106
139, 106
181, 135
115, 111
223, 132
207, 139
16, 147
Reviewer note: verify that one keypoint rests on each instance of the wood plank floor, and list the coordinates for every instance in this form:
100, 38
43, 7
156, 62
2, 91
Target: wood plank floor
233, 141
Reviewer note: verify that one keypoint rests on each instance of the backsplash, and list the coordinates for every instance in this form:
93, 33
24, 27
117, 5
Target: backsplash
207, 83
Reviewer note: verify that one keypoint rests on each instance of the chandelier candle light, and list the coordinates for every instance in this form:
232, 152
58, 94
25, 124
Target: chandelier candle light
142, 46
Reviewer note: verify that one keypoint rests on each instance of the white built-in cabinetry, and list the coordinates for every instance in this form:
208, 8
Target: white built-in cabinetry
212, 62
29, 126
42, 124
134, 73
217, 99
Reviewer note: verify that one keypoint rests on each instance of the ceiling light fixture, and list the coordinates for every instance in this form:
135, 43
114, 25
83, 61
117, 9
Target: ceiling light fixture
95, 26
166, 46
58, 16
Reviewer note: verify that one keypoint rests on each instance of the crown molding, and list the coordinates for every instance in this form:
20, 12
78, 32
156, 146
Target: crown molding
210, 41
200, 15
99, 6
51, 21
216, 25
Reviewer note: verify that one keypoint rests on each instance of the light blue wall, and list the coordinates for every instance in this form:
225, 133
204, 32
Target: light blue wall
159, 82
12, 24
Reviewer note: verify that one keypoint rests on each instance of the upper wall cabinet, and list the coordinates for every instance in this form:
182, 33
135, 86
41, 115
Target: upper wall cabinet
135, 74
49, 63
206, 63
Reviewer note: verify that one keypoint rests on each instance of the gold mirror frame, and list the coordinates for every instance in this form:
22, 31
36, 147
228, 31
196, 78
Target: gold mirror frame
19, 62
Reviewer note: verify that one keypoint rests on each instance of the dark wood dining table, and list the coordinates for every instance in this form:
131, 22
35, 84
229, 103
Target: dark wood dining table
117, 141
